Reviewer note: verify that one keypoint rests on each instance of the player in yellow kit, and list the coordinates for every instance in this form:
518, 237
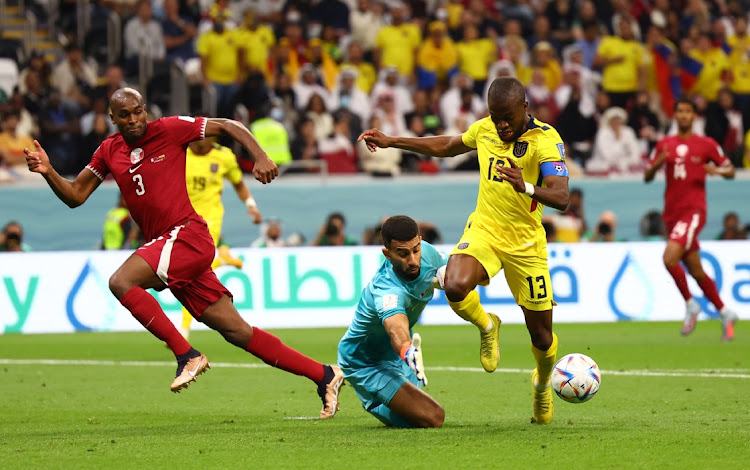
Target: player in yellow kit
208, 164
522, 169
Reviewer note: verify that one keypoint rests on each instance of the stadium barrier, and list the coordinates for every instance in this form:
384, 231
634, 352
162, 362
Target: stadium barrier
56, 292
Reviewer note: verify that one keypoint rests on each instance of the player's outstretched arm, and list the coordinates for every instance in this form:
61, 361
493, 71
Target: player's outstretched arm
726, 170
72, 193
243, 192
438, 146
265, 170
397, 327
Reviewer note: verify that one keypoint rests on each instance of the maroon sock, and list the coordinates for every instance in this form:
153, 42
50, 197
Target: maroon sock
146, 309
678, 274
709, 288
273, 352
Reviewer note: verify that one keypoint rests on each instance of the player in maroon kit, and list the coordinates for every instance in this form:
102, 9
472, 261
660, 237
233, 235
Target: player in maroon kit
147, 160
688, 158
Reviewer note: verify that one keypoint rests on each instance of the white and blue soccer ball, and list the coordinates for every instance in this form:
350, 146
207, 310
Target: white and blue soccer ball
576, 378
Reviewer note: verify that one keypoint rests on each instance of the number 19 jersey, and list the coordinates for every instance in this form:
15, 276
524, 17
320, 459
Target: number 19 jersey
151, 172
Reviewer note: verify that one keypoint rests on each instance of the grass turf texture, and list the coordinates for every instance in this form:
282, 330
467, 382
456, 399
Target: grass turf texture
123, 416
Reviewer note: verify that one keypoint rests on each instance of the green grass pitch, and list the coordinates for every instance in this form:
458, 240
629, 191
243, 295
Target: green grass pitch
666, 401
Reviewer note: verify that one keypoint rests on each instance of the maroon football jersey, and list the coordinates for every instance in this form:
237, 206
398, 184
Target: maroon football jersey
151, 172
685, 172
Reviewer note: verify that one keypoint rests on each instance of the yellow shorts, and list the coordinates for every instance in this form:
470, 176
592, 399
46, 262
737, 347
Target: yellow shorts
527, 276
214, 227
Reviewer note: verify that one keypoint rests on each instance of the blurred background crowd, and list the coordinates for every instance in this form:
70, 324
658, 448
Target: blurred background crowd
308, 76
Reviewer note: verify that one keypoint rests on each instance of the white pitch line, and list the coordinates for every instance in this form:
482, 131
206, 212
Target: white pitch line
701, 373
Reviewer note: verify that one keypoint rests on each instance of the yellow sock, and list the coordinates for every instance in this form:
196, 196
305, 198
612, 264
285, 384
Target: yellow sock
216, 263
545, 360
472, 311
187, 319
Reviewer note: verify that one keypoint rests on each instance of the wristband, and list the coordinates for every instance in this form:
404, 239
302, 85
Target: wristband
405, 348
250, 202
529, 189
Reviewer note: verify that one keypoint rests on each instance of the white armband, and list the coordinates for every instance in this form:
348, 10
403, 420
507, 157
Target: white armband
529, 189
250, 203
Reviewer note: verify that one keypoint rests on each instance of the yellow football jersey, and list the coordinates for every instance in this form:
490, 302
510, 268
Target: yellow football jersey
204, 175
513, 219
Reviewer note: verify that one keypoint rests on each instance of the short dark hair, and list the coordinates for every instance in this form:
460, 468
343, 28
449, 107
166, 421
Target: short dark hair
399, 227
336, 215
685, 100
508, 90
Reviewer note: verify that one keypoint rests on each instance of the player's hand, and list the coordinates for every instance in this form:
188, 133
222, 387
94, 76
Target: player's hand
373, 139
265, 170
511, 174
711, 169
37, 160
438, 282
413, 359
254, 214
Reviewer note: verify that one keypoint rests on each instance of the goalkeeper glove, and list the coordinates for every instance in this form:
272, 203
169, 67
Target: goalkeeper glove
438, 282
411, 353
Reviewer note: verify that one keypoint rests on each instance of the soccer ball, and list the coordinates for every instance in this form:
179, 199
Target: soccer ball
576, 378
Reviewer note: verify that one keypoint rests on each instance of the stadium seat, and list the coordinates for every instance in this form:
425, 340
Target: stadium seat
12, 49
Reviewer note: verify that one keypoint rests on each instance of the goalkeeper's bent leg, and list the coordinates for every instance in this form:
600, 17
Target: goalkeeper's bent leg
472, 311
388, 417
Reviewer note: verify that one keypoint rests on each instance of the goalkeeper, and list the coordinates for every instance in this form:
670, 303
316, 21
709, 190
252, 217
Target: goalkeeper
378, 354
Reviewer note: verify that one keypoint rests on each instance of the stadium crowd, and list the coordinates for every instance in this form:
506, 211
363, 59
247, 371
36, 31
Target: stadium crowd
312, 74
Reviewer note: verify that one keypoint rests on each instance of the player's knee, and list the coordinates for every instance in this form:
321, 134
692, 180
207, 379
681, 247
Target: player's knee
118, 286
438, 418
542, 340
456, 290
669, 260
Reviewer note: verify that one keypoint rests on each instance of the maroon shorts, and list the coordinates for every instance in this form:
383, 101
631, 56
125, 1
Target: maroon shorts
685, 229
182, 259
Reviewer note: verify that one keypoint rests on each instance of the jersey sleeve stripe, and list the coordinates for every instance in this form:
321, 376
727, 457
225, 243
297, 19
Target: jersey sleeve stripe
203, 128
96, 173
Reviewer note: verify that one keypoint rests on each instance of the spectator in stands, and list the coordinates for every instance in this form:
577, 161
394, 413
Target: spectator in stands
437, 57
724, 124
220, 66
11, 238
391, 120
732, 229
255, 41
542, 33
75, 78
309, 85
366, 74
37, 65
143, 37
570, 224
271, 232
96, 125
713, 64
347, 95
337, 148
562, 16
396, 44
652, 226
384, 162
589, 41
451, 101
550, 230
119, 231
62, 131
645, 123
426, 112
372, 235
539, 95
621, 59
333, 232
575, 123
114, 79
272, 136
616, 148
36, 93
27, 125
12, 157
544, 58
334, 13
365, 22
326, 66
476, 54
390, 81
739, 65
429, 232
305, 144
515, 50
605, 228
317, 111
179, 33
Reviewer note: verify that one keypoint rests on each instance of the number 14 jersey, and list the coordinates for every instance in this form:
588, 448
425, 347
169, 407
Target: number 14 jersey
151, 172
685, 172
